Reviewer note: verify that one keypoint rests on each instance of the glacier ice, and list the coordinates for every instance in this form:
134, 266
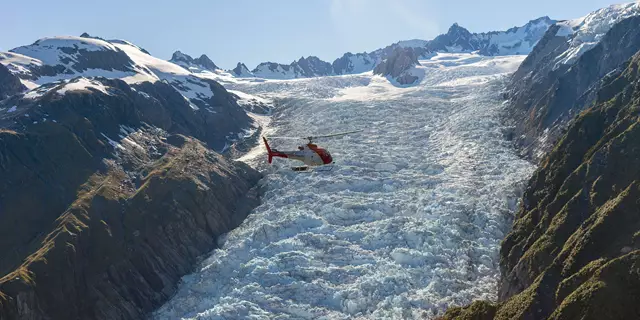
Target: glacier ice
409, 221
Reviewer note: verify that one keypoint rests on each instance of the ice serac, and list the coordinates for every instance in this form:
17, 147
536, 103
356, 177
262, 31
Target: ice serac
129, 193
186, 61
563, 73
574, 249
398, 66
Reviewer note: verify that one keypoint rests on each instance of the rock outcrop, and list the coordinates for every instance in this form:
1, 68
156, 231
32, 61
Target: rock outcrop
574, 250
398, 66
110, 193
9, 83
186, 61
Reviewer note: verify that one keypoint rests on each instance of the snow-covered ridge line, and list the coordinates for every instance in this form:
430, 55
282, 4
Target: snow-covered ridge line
586, 32
515, 41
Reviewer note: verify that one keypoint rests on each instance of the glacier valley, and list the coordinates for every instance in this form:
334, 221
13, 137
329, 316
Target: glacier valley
408, 222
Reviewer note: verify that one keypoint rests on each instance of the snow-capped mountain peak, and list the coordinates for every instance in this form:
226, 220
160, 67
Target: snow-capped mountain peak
241, 70
189, 63
584, 33
515, 41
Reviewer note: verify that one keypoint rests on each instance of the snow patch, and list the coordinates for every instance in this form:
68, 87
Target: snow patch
83, 84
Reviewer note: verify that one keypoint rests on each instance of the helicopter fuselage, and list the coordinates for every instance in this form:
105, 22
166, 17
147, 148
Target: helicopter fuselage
310, 154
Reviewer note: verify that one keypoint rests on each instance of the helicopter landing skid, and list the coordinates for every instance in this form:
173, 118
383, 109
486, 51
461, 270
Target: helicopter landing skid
325, 168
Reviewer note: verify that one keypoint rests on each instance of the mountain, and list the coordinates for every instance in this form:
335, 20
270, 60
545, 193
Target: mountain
187, 62
515, 41
302, 68
117, 146
241, 70
562, 74
353, 63
398, 66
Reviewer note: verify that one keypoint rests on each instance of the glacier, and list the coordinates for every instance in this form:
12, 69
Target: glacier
409, 221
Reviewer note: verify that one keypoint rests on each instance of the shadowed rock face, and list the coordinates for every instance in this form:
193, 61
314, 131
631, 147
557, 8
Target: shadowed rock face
397, 65
127, 199
241, 70
574, 251
9, 83
185, 60
545, 95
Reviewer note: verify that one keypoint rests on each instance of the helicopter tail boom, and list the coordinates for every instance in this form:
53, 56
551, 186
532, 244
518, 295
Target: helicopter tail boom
273, 153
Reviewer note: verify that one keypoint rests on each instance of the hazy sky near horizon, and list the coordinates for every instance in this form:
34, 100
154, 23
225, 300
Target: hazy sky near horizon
253, 31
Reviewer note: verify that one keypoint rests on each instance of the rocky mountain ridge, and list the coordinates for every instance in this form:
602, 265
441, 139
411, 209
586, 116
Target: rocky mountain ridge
189, 63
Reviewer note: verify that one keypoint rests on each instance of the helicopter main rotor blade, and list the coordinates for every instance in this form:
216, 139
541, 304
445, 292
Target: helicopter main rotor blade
316, 137
335, 134
290, 138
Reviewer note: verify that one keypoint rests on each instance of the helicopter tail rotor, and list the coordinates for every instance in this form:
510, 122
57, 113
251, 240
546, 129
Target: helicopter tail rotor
269, 152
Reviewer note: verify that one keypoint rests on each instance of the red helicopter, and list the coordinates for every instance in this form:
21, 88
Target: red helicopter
310, 154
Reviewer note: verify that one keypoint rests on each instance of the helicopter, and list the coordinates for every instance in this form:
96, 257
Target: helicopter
310, 154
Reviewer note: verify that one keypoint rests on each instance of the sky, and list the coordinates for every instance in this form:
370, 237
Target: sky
254, 31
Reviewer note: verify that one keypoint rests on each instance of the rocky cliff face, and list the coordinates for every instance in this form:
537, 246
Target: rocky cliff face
9, 83
128, 198
562, 74
398, 66
574, 250
302, 68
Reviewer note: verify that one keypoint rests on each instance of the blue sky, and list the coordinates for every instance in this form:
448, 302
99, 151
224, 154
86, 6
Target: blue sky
254, 31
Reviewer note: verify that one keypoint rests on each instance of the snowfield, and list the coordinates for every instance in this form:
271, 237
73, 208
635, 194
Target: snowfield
409, 221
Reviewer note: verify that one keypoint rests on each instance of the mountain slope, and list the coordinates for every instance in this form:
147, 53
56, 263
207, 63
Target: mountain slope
117, 146
128, 197
561, 75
